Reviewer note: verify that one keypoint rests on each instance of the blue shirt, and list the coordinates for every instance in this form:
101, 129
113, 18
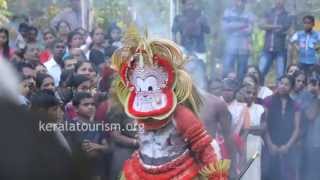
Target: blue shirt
307, 43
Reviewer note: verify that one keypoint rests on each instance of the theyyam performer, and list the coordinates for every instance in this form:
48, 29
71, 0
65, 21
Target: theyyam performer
155, 90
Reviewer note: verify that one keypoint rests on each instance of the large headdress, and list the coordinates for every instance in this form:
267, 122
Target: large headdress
151, 78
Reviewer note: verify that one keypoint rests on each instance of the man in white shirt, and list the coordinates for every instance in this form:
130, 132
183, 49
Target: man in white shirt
53, 64
54, 70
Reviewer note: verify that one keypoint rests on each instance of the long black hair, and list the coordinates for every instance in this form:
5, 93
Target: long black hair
80, 63
289, 78
59, 24
113, 26
260, 78
71, 35
297, 74
40, 78
6, 49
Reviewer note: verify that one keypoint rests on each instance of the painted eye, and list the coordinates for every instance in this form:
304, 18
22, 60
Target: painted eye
151, 83
148, 84
140, 84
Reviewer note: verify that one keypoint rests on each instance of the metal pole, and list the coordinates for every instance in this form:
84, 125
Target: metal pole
249, 163
91, 16
82, 13
173, 13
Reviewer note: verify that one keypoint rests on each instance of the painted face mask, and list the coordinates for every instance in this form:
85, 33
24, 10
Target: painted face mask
151, 87
152, 79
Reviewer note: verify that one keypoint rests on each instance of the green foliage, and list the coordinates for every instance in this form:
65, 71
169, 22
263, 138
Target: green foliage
110, 11
3, 4
121, 11
4, 13
257, 43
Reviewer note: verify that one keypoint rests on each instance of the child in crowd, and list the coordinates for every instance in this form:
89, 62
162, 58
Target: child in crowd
94, 142
307, 42
78, 84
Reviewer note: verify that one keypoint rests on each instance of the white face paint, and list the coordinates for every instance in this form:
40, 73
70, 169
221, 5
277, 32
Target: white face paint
149, 95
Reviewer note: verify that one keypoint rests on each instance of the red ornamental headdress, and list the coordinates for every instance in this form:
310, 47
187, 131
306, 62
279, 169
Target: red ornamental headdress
151, 79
